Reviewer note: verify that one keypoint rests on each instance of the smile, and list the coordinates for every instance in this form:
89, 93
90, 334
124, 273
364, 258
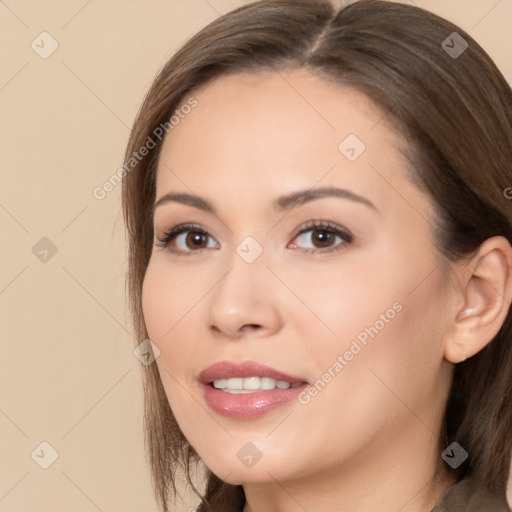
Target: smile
247, 390
238, 385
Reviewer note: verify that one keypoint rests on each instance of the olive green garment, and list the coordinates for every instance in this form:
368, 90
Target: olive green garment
470, 496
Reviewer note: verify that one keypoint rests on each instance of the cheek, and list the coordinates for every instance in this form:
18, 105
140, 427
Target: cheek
335, 305
155, 299
394, 351
170, 304
372, 377
162, 306
167, 298
376, 318
165, 303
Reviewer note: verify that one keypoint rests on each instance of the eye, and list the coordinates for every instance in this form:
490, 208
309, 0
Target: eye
187, 238
321, 237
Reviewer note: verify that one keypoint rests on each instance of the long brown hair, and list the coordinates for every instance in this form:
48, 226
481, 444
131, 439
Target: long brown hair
455, 111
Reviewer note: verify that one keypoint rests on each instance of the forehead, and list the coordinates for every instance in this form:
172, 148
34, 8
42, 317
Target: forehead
294, 104
279, 130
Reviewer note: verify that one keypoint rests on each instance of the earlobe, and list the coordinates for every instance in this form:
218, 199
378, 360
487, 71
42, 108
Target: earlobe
485, 295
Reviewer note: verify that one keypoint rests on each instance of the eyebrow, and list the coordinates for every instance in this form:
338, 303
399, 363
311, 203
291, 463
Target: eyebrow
288, 202
283, 203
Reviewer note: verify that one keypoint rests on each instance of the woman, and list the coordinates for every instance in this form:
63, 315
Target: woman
319, 250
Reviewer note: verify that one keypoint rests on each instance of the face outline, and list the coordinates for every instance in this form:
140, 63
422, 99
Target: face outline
202, 308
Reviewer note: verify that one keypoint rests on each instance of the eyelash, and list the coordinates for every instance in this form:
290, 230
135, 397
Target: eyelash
326, 227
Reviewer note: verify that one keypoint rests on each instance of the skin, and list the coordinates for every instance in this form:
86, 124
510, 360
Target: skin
369, 439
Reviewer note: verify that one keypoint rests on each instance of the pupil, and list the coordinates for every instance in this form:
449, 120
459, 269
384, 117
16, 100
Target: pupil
322, 238
196, 239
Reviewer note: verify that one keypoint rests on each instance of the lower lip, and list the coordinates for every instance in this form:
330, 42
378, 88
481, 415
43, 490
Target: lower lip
248, 405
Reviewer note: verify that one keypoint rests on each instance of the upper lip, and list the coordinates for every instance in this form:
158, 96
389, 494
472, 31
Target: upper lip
227, 370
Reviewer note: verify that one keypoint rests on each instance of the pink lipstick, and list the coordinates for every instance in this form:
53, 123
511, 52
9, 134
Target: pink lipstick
247, 390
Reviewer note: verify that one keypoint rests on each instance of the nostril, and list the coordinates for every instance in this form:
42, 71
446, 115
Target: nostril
236, 332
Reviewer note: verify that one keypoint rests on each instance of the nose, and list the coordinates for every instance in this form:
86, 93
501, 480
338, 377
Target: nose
245, 303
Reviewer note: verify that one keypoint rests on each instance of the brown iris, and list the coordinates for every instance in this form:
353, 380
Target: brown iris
323, 239
196, 240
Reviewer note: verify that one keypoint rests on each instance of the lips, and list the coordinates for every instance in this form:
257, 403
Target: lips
252, 404
227, 370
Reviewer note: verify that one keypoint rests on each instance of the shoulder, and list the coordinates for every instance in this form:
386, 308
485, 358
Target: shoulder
469, 495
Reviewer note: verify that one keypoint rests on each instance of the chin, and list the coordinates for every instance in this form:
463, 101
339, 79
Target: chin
232, 469
245, 476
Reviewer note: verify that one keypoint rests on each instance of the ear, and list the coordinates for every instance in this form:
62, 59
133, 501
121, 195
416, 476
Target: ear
483, 301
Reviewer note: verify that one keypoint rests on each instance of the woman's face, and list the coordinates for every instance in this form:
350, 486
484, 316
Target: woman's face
309, 266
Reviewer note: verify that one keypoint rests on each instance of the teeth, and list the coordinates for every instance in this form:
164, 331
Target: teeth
237, 385
267, 383
220, 383
251, 383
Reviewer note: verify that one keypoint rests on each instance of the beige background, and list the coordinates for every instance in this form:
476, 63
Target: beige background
68, 375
